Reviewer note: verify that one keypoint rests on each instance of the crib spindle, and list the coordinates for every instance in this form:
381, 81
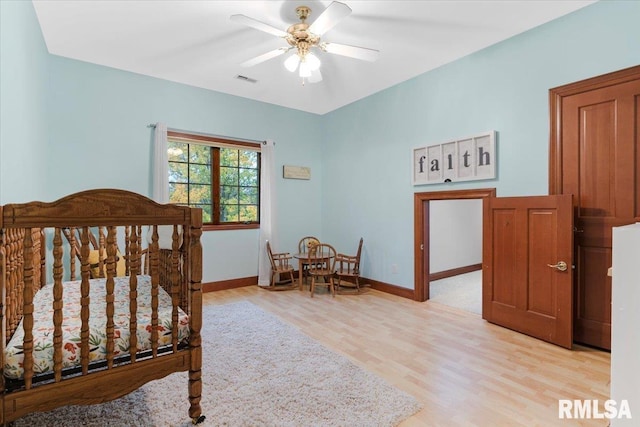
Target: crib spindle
101, 254
11, 292
58, 272
3, 287
111, 272
127, 251
20, 287
16, 277
175, 300
27, 322
84, 300
73, 242
155, 280
133, 293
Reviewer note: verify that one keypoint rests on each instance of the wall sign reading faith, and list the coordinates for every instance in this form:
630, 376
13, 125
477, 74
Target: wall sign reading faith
296, 172
467, 159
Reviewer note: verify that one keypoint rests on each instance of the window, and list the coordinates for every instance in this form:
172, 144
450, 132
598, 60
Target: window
220, 176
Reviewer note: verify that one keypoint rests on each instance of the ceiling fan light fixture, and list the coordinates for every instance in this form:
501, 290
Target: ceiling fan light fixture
305, 70
312, 61
291, 63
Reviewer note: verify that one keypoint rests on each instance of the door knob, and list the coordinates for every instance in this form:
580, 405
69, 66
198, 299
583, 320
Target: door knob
560, 266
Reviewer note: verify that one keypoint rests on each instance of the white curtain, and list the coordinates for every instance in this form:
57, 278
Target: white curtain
160, 183
160, 164
267, 210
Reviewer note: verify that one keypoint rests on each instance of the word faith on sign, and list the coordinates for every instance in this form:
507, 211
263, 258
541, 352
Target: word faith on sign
465, 159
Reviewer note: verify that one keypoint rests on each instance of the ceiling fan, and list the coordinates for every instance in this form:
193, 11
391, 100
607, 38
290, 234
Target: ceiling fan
304, 38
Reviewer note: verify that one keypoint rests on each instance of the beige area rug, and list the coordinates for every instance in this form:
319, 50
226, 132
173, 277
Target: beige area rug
257, 371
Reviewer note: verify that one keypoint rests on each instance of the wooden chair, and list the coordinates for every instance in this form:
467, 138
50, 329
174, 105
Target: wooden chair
322, 258
280, 265
303, 248
348, 267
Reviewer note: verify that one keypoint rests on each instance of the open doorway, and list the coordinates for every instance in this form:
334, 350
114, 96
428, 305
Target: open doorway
455, 253
422, 232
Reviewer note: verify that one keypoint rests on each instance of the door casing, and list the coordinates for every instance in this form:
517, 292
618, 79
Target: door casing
421, 231
568, 170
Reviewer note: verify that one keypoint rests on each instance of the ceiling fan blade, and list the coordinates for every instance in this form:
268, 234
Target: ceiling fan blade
258, 25
315, 77
329, 18
363, 53
265, 57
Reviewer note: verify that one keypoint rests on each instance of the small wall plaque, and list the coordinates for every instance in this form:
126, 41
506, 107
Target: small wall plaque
296, 172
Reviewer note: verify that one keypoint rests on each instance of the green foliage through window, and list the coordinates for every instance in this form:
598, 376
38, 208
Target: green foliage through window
224, 182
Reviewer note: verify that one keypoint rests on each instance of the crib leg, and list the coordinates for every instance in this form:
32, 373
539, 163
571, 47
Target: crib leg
195, 393
198, 420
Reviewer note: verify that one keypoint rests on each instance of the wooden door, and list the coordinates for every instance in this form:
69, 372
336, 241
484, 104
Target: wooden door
594, 156
527, 258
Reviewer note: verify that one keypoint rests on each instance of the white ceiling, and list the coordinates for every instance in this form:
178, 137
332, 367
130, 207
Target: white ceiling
195, 42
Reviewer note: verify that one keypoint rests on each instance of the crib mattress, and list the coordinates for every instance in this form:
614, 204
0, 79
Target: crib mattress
43, 325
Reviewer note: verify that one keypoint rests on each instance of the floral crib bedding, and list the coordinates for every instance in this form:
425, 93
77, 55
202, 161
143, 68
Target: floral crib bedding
43, 325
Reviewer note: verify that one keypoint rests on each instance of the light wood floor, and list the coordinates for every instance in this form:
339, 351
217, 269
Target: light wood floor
465, 371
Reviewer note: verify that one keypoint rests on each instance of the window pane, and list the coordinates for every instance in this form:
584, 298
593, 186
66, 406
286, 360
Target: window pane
229, 213
228, 157
199, 194
178, 193
177, 151
200, 174
248, 159
229, 195
248, 177
200, 154
248, 196
178, 172
248, 213
228, 176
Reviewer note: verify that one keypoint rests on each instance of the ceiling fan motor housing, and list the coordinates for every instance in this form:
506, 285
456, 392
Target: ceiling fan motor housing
299, 35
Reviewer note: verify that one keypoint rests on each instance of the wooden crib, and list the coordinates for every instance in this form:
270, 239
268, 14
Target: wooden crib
108, 336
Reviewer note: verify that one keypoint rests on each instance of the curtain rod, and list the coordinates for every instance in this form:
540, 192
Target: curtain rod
153, 125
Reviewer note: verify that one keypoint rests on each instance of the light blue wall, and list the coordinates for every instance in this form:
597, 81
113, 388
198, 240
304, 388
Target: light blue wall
23, 83
85, 126
504, 88
98, 128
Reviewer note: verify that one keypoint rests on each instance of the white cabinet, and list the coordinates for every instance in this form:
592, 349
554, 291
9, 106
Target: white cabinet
625, 322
